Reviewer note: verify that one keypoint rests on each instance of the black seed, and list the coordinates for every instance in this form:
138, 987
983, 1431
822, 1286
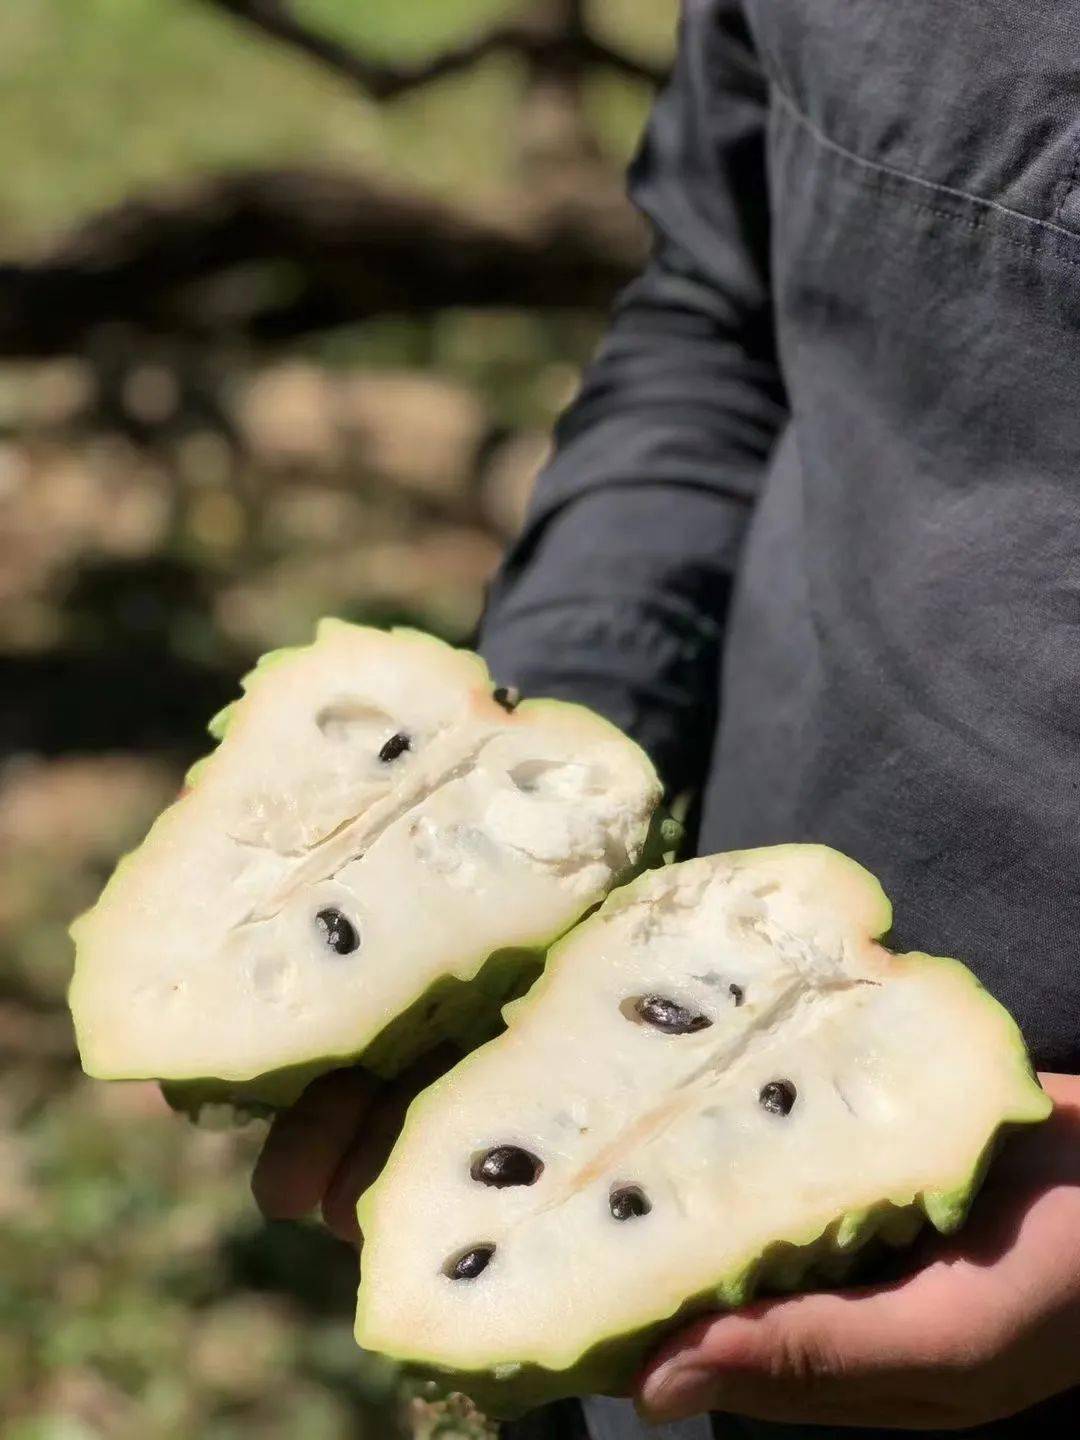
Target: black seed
469, 1264
338, 932
628, 1201
777, 1097
736, 993
506, 1165
508, 696
670, 1017
395, 746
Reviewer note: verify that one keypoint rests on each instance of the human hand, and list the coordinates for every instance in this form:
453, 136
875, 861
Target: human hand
331, 1144
988, 1325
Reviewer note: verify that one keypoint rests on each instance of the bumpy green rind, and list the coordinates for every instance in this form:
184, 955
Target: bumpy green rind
828, 1259
826, 1256
465, 1011
846, 1248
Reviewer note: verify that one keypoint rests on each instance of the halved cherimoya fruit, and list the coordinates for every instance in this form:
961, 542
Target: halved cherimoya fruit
374, 858
721, 1084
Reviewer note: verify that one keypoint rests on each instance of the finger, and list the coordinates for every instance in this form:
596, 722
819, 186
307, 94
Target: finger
364, 1159
915, 1402
816, 1356
306, 1143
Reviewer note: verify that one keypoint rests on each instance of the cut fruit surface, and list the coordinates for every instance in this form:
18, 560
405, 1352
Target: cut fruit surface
722, 1083
372, 859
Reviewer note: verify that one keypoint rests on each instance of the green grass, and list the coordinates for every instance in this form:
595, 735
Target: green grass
399, 31
104, 97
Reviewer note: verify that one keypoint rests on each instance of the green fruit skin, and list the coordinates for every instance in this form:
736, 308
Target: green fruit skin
823, 1258
465, 1012
834, 1257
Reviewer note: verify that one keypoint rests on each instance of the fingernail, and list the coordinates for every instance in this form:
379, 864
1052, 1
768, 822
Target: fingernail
677, 1390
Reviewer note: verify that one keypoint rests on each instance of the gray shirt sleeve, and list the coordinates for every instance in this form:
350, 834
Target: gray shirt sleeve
616, 592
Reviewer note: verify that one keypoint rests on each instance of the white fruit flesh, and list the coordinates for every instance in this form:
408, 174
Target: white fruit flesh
204, 958
903, 1069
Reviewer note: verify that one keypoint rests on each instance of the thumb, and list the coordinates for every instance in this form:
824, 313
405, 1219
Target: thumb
777, 1356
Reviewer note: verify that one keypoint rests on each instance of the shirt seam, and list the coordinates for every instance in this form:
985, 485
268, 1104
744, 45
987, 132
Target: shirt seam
933, 187
970, 222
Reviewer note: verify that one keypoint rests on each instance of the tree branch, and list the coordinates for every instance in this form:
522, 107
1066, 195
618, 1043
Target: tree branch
266, 255
565, 51
595, 53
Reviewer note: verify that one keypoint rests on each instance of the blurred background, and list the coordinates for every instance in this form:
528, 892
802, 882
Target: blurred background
290, 294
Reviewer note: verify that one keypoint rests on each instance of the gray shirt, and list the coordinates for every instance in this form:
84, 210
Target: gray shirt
812, 528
